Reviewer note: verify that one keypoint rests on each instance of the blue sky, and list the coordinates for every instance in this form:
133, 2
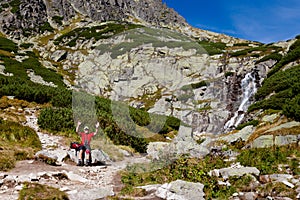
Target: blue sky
258, 20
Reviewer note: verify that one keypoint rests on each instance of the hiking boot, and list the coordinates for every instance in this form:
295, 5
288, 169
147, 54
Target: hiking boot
79, 163
87, 163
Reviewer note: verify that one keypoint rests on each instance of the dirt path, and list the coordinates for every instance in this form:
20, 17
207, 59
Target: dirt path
93, 182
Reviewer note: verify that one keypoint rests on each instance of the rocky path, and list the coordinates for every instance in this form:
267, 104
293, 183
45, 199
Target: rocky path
89, 183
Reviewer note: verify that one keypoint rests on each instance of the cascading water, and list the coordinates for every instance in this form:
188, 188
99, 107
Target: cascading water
249, 89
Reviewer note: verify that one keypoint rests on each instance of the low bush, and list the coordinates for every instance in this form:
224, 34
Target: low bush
96, 32
213, 48
58, 19
35, 191
17, 143
8, 45
267, 160
252, 122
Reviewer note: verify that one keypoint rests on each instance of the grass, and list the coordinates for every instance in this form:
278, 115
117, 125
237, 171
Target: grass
264, 49
17, 143
213, 48
155, 37
35, 191
267, 160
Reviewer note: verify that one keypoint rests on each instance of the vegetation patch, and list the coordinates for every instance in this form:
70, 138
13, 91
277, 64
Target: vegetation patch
58, 19
17, 143
282, 90
8, 45
213, 48
154, 37
252, 122
15, 5
96, 32
264, 49
35, 191
193, 170
26, 45
267, 160
292, 55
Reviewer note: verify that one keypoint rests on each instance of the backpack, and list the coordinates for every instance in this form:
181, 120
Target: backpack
76, 146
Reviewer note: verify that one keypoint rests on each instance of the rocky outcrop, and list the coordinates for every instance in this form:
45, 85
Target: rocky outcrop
31, 16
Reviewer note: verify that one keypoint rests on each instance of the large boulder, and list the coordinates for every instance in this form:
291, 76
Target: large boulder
182, 144
243, 134
52, 157
97, 155
181, 190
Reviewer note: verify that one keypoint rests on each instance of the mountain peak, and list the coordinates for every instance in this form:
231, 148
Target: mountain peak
34, 16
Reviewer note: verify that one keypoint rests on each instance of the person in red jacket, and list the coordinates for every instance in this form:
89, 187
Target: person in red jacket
85, 147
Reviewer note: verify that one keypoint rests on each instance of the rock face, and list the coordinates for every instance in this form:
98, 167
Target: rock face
29, 17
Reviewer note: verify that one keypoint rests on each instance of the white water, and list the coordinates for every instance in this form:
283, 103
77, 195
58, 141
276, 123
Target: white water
249, 89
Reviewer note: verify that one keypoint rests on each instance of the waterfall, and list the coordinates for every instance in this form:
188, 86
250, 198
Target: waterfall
249, 89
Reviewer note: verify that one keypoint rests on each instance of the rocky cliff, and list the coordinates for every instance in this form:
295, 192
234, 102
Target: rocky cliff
31, 17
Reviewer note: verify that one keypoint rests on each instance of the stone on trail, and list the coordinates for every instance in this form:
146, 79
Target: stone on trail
91, 194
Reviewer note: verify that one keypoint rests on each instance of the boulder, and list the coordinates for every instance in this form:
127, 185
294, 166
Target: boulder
263, 142
270, 118
234, 171
181, 190
91, 194
47, 157
243, 134
97, 155
59, 55
182, 144
285, 140
155, 149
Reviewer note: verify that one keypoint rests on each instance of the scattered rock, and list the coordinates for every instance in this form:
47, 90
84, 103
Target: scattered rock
181, 190
91, 194
234, 171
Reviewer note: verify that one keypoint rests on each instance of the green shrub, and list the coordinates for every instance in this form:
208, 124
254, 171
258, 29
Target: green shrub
96, 32
273, 56
58, 19
46, 27
15, 4
229, 74
252, 122
8, 45
241, 44
293, 55
35, 191
26, 45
